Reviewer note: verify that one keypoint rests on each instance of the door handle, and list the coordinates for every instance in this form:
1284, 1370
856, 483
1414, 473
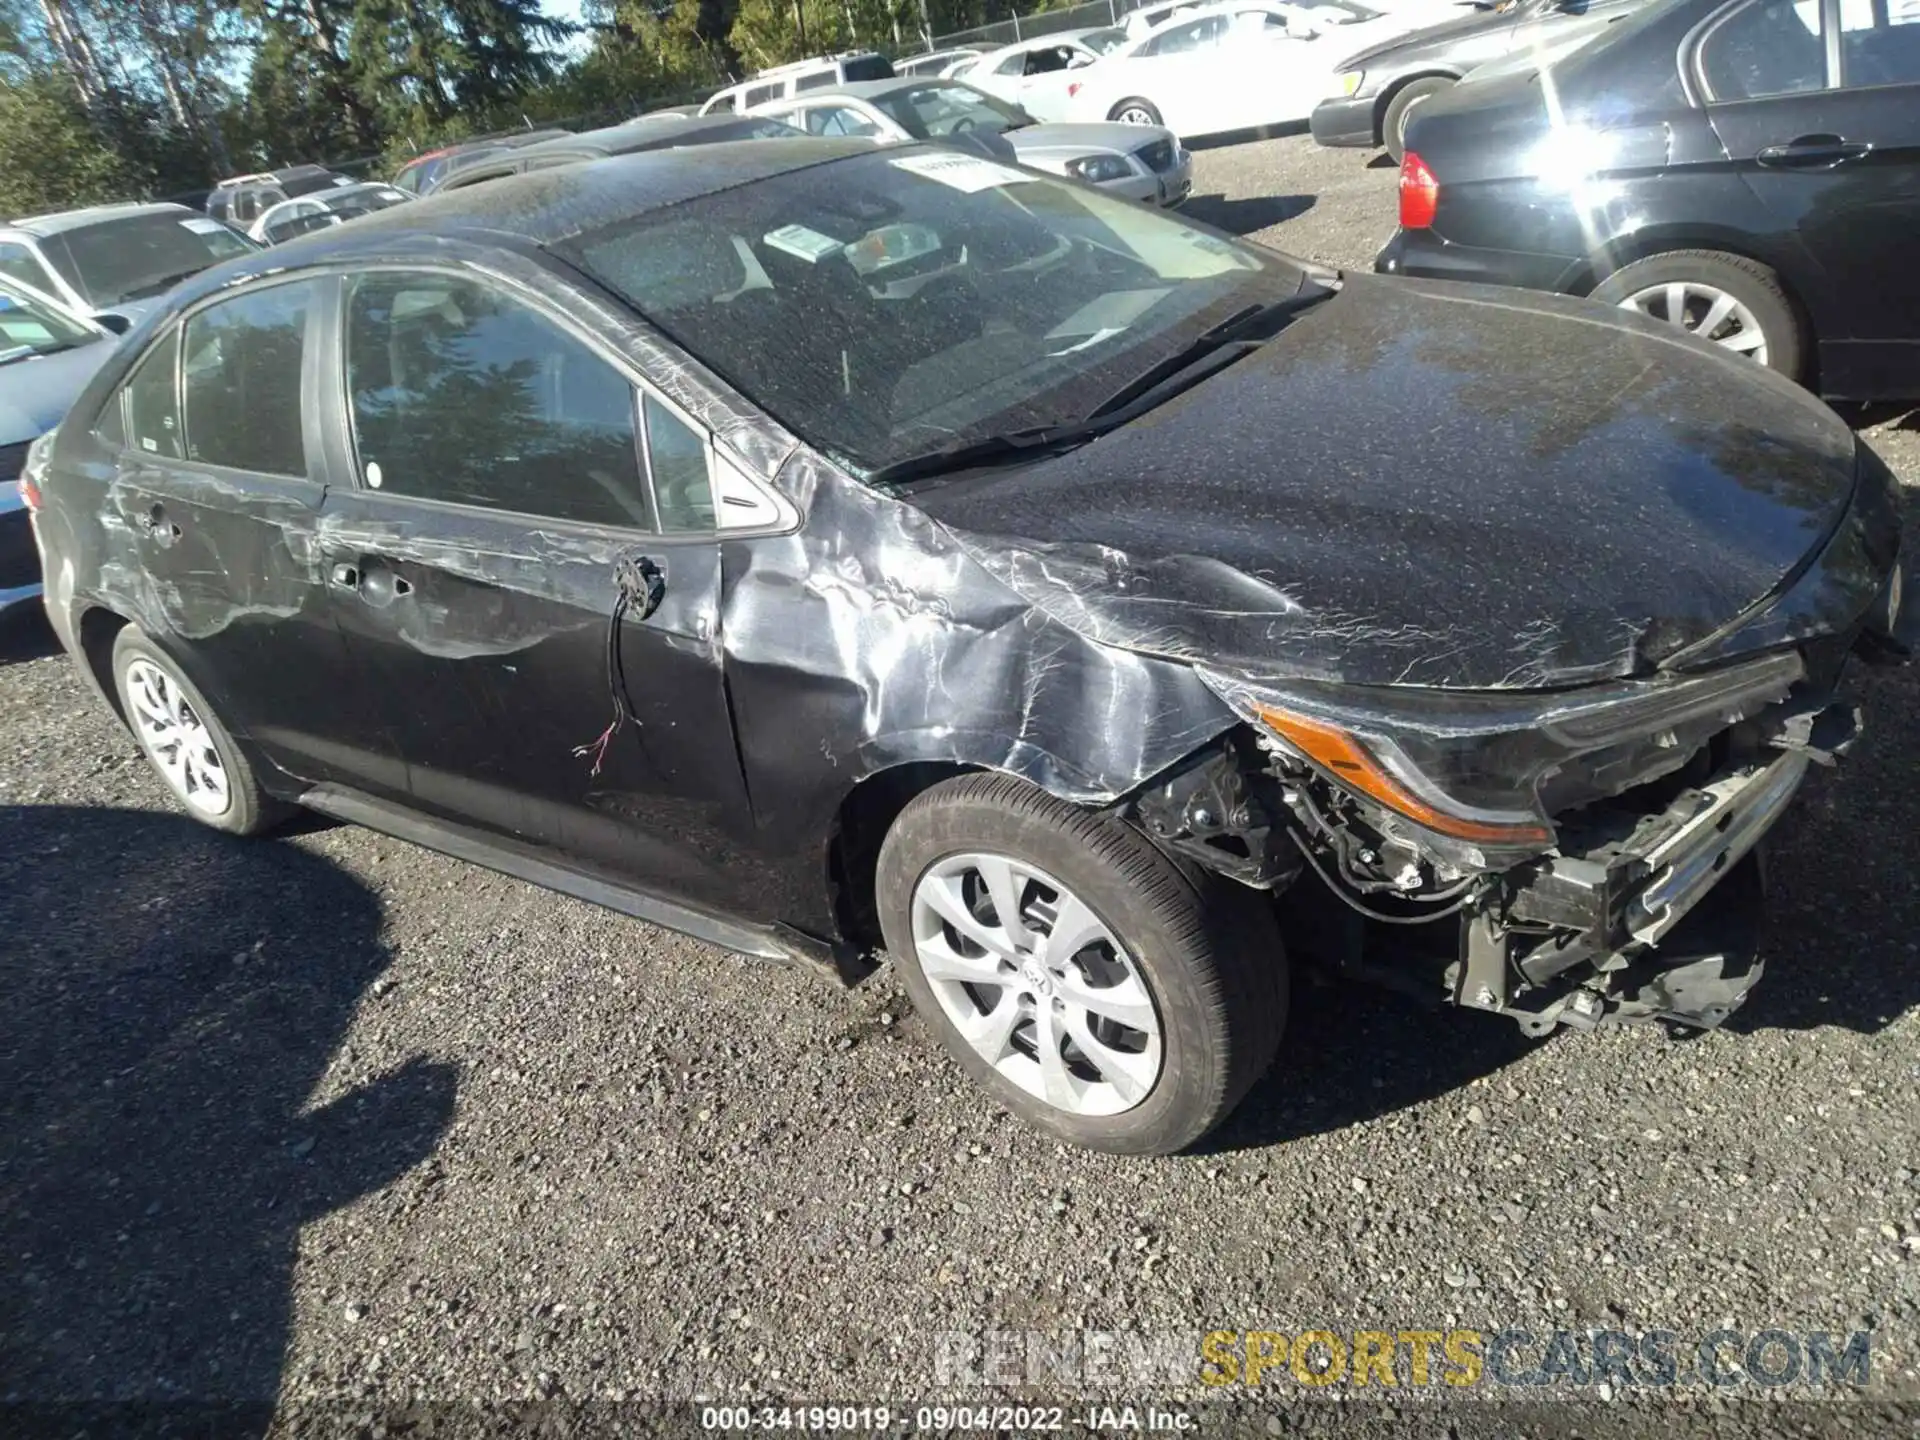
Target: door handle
1812, 152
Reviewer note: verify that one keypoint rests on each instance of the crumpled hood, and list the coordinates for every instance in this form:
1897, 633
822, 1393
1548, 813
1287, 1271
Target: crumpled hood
1427, 484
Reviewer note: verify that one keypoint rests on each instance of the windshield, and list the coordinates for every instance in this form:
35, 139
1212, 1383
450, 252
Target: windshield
936, 111
1104, 42
30, 326
917, 300
140, 255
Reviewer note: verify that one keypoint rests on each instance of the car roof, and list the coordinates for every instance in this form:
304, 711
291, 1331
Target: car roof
1052, 37
869, 89
545, 207
62, 220
636, 134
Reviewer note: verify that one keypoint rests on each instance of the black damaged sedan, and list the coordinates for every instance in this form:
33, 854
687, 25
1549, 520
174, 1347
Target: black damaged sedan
828, 551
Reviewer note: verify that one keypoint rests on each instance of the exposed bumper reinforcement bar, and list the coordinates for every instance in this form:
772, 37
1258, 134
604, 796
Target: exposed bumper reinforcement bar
1685, 880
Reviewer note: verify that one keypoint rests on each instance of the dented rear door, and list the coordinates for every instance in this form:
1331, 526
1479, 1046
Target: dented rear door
219, 493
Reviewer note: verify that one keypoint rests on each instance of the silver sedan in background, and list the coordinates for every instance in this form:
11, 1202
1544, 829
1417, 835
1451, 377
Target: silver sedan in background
1141, 162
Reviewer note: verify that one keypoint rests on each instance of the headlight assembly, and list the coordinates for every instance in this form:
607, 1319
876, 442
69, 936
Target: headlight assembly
1099, 169
1476, 766
1348, 82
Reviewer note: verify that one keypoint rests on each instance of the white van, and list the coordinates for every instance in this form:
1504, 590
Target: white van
783, 82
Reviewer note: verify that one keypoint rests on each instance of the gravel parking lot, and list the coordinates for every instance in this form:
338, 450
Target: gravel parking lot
330, 1116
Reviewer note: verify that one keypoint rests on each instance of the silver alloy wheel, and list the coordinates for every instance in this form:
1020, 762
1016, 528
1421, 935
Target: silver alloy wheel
1137, 115
176, 739
1703, 310
1036, 983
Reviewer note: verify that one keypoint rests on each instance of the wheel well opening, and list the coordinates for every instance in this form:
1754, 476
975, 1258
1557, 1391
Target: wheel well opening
99, 628
1387, 97
853, 852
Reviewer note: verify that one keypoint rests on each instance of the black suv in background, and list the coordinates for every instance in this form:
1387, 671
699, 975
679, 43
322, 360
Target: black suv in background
1748, 171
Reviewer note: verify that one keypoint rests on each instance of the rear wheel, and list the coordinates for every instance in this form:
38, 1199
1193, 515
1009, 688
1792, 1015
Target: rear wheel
1135, 112
1088, 983
1736, 303
1393, 125
185, 742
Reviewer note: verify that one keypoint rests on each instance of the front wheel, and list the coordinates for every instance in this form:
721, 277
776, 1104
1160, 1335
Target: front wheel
1087, 982
1737, 303
1135, 112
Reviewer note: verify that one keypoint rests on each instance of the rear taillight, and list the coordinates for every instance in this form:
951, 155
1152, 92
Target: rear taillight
30, 493
1074, 87
1419, 193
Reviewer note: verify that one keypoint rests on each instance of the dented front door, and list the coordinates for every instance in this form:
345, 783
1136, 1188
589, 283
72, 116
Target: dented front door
489, 640
491, 489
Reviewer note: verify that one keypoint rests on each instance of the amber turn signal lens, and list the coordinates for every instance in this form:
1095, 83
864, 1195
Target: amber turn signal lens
1347, 760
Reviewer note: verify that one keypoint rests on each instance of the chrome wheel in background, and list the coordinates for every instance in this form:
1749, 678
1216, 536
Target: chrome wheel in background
1036, 983
1703, 310
176, 739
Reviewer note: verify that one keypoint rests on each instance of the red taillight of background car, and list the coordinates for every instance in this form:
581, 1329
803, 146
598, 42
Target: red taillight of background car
1419, 193
30, 493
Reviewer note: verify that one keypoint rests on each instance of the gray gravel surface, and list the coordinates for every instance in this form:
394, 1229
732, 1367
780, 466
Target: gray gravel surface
330, 1116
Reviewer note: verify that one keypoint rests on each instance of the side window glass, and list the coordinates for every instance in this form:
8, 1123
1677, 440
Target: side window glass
722, 104
1045, 62
1771, 47
241, 369
678, 458
459, 393
1012, 65
153, 413
17, 263
838, 120
1879, 44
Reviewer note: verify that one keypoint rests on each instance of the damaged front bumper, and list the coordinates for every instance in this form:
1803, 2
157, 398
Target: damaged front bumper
1596, 933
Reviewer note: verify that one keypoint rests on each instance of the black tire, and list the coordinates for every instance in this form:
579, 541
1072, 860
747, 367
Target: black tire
1747, 281
1207, 951
1145, 107
249, 809
1393, 125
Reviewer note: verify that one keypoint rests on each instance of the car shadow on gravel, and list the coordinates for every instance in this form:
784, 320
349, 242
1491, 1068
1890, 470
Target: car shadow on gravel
1246, 215
1843, 933
1352, 1054
25, 636
172, 999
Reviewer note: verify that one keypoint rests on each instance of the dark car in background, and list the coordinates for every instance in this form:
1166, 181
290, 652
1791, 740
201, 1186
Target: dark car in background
300, 216
47, 355
1380, 87
420, 175
664, 132
243, 199
111, 261
815, 547
1749, 172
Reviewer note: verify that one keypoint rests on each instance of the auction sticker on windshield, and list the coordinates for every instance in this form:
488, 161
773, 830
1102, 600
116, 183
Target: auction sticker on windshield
802, 243
202, 227
960, 172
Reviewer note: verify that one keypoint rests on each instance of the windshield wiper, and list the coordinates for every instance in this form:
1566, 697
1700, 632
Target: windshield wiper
1008, 446
1213, 349
16, 352
160, 285
1241, 333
